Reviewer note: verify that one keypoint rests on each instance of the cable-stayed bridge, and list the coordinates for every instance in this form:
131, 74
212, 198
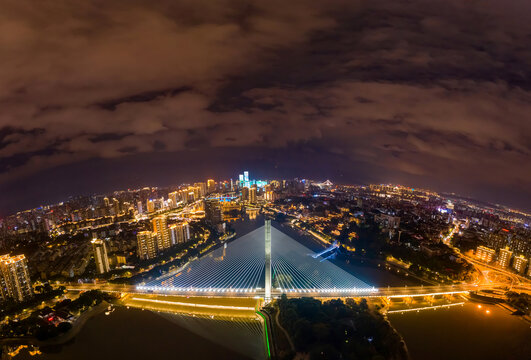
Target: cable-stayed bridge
240, 267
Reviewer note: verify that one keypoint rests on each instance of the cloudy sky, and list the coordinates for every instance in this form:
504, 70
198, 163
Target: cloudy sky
104, 95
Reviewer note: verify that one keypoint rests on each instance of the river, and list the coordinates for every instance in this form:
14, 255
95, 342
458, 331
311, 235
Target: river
471, 331
135, 334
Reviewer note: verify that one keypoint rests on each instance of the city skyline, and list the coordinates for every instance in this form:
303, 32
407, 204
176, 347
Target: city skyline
68, 197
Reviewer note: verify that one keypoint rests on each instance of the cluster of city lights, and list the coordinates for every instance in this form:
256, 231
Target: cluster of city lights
435, 307
252, 290
194, 289
334, 290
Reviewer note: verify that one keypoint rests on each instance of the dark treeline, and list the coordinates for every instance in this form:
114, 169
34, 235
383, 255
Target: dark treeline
339, 330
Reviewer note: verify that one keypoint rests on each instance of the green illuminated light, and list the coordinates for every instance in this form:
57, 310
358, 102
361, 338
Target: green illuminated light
266, 335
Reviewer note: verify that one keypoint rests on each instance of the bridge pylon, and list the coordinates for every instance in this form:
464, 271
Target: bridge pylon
267, 297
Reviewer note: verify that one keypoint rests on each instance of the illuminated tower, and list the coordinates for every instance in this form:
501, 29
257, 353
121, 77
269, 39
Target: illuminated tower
520, 263
147, 245
162, 231
100, 256
211, 186
14, 278
267, 260
505, 257
252, 195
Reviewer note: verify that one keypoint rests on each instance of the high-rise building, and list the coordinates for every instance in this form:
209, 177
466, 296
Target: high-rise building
520, 263
179, 233
213, 212
485, 254
100, 256
174, 197
15, 282
270, 196
183, 195
252, 194
139, 207
196, 192
106, 202
146, 245
202, 189
211, 186
160, 228
116, 206
150, 206
245, 194
504, 258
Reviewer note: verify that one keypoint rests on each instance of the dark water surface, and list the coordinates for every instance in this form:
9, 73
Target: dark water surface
134, 334
464, 332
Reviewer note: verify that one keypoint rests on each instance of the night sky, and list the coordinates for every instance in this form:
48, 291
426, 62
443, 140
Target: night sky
98, 96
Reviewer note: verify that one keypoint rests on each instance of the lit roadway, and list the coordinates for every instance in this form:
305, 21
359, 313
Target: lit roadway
517, 282
405, 291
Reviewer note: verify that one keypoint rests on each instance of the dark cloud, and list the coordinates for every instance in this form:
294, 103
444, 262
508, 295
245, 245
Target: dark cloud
434, 93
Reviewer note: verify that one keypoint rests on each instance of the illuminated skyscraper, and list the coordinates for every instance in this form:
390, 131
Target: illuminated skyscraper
15, 282
146, 245
150, 206
139, 207
100, 256
520, 263
184, 196
213, 210
211, 186
179, 233
116, 206
247, 183
202, 187
245, 194
504, 258
174, 197
252, 195
197, 192
160, 228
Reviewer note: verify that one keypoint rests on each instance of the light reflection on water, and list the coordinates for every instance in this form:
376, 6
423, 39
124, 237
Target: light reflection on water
471, 331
